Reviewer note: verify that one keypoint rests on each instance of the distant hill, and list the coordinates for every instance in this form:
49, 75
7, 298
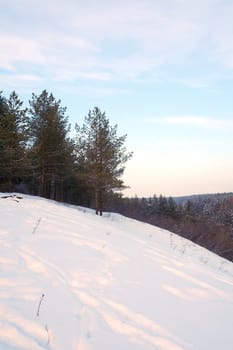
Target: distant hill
201, 197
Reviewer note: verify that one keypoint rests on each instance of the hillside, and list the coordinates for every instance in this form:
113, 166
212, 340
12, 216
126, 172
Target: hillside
71, 280
206, 220
202, 197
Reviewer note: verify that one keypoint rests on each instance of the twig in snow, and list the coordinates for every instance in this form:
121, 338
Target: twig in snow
38, 310
47, 330
37, 224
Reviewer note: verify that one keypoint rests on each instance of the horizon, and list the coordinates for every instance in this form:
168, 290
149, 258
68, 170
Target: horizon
179, 196
162, 71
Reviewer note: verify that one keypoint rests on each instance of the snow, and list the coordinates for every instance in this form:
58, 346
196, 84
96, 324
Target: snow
70, 280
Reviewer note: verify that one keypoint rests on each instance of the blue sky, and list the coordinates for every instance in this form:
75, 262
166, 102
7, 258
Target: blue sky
162, 70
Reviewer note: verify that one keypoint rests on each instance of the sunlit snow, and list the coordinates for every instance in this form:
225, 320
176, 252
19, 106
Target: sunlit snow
70, 280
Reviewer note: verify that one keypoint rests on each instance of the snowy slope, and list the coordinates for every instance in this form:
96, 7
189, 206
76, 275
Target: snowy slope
70, 280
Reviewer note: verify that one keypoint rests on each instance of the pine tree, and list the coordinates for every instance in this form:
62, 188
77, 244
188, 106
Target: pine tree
3, 143
162, 205
51, 150
190, 211
13, 140
101, 154
172, 208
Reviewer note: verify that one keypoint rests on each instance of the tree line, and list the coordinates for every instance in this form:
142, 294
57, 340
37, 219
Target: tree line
37, 155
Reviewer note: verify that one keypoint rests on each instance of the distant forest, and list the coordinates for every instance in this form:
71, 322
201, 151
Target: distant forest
206, 219
38, 157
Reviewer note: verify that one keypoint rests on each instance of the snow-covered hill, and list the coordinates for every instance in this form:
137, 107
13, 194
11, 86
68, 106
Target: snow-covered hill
71, 280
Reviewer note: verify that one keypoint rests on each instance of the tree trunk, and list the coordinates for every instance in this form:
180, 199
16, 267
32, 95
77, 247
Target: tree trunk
42, 184
59, 193
52, 187
10, 184
97, 202
100, 202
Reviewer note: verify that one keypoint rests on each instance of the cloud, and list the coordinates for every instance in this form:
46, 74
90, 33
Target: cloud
69, 76
15, 49
123, 40
24, 82
71, 41
95, 91
196, 83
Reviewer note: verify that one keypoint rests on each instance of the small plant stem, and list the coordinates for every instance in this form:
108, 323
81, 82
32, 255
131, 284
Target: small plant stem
38, 310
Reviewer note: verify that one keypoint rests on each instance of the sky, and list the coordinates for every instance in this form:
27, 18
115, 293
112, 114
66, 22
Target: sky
160, 69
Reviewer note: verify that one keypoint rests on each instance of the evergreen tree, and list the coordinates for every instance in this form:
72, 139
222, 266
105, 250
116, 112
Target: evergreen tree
190, 211
3, 143
155, 204
51, 150
13, 139
172, 208
101, 154
162, 205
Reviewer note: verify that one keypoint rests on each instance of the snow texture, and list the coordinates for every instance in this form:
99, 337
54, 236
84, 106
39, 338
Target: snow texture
71, 280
